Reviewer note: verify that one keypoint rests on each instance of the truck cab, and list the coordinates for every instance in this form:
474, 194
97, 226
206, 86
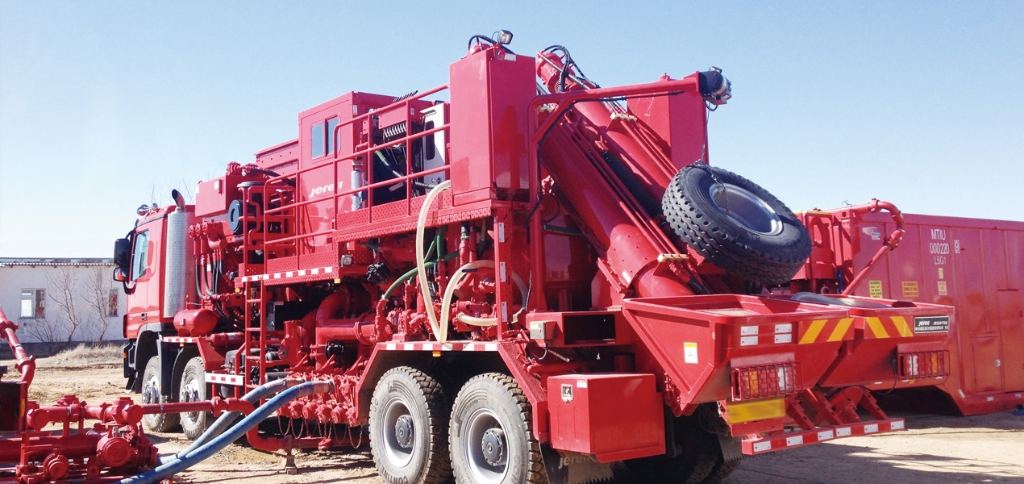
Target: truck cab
155, 283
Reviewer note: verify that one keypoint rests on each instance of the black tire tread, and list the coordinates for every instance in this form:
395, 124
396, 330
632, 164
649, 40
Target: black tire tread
439, 467
721, 470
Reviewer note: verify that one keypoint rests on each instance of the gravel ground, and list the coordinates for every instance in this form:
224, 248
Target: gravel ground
980, 449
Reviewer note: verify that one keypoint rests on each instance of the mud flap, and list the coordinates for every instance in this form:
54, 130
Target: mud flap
573, 468
127, 363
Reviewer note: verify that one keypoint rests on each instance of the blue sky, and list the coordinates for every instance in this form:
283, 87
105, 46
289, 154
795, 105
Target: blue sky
107, 105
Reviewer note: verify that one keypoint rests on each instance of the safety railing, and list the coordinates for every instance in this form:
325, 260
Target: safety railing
361, 155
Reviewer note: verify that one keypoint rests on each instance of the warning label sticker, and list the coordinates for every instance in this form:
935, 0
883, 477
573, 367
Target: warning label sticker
931, 324
942, 289
910, 289
690, 353
875, 289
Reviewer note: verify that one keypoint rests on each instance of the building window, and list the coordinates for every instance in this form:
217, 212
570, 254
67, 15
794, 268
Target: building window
32, 303
112, 303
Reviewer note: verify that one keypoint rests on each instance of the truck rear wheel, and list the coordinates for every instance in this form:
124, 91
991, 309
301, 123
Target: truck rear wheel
491, 437
737, 225
193, 388
408, 424
159, 422
697, 453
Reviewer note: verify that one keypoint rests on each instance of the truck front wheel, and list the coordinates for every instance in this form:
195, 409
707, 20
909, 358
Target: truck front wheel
193, 388
159, 422
491, 441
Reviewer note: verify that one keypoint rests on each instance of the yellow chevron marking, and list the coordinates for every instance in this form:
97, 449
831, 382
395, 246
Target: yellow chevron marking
902, 327
876, 327
840, 331
813, 331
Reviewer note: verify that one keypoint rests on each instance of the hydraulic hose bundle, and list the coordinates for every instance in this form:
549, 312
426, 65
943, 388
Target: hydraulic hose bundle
210, 445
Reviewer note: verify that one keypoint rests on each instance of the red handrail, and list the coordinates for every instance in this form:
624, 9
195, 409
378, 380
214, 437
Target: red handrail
25, 362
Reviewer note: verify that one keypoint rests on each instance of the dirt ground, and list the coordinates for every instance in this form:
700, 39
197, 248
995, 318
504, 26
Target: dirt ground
981, 449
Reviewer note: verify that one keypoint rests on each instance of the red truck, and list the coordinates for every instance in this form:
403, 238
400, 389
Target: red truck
516, 277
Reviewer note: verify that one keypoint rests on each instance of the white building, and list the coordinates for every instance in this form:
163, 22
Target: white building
50, 298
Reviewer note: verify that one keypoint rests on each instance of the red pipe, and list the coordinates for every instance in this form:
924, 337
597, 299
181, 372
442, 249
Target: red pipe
891, 242
73, 446
330, 328
215, 405
26, 363
124, 412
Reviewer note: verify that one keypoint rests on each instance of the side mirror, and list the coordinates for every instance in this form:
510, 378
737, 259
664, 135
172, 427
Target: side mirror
122, 254
120, 275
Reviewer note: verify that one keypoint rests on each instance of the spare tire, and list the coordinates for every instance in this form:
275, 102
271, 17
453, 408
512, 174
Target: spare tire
736, 224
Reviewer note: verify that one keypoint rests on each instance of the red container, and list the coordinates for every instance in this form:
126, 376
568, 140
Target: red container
975, 265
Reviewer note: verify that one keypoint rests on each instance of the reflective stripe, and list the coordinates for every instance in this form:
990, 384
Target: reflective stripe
841, 328
812, 332
902, 327
876, 327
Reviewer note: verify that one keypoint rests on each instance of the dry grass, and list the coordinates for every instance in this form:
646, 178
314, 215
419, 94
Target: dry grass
104, 355
83, 356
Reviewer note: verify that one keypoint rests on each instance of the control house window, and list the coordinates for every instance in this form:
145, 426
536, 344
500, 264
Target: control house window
316, 140
321, 138
32, 303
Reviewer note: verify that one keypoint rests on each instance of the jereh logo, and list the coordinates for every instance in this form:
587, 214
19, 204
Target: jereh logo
322, 190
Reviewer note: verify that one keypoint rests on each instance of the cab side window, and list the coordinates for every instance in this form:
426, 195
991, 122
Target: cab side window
140, 255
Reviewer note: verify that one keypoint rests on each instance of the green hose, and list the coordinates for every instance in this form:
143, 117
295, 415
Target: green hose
412, 272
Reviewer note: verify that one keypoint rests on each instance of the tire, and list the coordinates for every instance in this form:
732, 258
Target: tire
193, 388
408, 428
491, 437
737, 225
160, 422
724, 465
698, 453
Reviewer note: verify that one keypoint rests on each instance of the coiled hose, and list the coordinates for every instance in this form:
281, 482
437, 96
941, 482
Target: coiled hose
234, 433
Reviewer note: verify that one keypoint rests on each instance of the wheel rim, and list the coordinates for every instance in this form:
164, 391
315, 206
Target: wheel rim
745, 208
151, 390
486, 447
190, 393
399, 432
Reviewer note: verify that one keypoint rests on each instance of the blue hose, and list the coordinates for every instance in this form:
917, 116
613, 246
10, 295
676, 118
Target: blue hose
212, 447
254, 396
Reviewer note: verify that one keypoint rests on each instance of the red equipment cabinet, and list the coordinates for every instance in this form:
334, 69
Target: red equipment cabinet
490, 92
614, 416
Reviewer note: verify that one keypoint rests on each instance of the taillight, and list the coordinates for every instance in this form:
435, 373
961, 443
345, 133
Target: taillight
763, 381
923, 364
